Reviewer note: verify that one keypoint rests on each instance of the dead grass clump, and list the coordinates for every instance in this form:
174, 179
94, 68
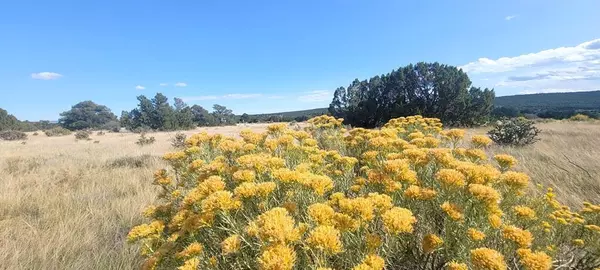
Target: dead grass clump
20, 165
143, 161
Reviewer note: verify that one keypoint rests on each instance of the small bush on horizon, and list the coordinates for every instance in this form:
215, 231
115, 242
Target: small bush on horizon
57, 131
179, 140
516, 131
35, 133
82, 135
579, 117
13, 135
143, 140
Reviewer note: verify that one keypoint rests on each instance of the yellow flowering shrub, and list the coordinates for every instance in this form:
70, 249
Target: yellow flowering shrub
408, 195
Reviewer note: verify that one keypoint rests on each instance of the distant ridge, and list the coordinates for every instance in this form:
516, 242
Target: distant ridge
294, 114
589, 100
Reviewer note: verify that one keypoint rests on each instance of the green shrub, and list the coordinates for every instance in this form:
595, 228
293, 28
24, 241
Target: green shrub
100, 133
35, 133
179, 140
516, 131
57, 131
579, 117
82, 135
12, 135
143, 140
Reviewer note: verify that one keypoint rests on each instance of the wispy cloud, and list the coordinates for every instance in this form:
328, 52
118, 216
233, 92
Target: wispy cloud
139, 87
163, 84
315, 96
241, 96
199, 98
46, 75
227, 96
181, 84
510, 17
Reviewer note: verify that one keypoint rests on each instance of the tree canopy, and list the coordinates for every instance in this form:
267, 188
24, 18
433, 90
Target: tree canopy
8, 121
158, 114
85, 115
428, 89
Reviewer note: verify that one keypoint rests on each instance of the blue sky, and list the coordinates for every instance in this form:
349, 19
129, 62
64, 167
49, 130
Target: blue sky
269, 56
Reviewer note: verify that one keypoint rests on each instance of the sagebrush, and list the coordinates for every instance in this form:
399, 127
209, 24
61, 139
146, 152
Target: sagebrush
179, 140
580, 117
13, 135
57, 131
516, 131
143, 140
408, 196
82, 135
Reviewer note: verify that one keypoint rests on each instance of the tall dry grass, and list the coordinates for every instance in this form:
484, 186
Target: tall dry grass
68, 205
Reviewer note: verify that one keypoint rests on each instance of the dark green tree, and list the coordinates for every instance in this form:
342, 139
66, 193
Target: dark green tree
223, 115
125, 119
86, 114
428, 89
143, 115
245, 118
201, 116
8, 121
163, 117
183, 115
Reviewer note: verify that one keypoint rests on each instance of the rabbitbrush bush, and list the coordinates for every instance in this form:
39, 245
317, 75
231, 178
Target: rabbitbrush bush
407, 196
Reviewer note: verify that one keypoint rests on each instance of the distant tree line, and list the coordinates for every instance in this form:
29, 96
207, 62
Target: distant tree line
548, 105
556, 113
10, 122
158, 114
428, 89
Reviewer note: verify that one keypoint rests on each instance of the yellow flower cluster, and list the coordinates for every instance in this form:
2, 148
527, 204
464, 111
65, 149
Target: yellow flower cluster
431, 242
481, 141
403, 196
534, 260
521, 237
487, 259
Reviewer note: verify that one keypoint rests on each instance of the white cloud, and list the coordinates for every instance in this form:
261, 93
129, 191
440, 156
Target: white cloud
584, 52
46, 75
163, 84
181, 84
510, 17
139, 87
227, 96
563, 69
316, 96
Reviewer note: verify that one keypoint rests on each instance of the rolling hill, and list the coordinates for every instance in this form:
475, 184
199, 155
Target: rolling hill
552, 101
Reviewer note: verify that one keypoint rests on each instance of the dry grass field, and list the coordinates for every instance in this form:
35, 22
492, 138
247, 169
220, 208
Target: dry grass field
69, 205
